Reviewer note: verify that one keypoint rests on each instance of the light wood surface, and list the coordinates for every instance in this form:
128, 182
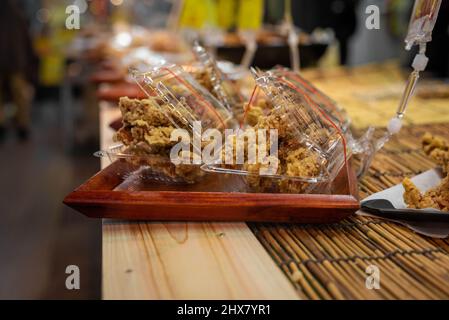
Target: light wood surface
185, 260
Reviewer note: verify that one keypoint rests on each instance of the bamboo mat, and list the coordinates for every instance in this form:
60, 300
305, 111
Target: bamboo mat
330, 261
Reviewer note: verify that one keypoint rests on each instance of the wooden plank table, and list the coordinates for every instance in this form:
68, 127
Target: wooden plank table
185, 260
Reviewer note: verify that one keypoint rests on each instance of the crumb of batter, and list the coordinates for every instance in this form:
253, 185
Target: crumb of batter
440, 194
204, 79
253, 115
415, 199
437, 198
302, 162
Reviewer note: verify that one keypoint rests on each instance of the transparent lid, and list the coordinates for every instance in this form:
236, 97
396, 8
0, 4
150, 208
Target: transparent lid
337, 114
185, 101
311, 145
222, 87
306, 122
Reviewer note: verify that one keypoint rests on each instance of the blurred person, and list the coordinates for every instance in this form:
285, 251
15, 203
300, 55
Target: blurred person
344, 23
17, 67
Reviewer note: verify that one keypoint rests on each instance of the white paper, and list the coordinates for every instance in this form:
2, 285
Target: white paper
423, 182
395, 195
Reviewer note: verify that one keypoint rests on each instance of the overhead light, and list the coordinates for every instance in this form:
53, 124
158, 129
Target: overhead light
123, 39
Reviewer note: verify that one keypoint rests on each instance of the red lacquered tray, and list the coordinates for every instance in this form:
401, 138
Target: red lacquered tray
212, 200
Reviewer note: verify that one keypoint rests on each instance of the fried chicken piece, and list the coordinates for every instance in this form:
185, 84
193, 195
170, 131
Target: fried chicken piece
415, 199
302, 163
223, 90
253, 115
146, 131
162, 165
440, 195
260, 183
143, 121
145, 112
437, 148
159, 137
156, 138
294, 160
275, 120
437, 198
204, 79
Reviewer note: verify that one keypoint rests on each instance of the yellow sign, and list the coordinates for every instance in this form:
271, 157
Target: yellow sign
250, 14
197, 14
226, 13
243, 14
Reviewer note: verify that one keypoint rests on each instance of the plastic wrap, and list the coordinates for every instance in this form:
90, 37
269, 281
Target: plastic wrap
185, 100
175, 101
220, 85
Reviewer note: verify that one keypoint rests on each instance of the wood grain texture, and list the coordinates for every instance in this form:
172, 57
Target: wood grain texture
188, 261
156, 261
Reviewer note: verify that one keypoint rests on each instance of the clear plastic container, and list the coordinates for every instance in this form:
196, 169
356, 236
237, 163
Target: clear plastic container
337, 114
311, 145
220, 85
152, 167
185, 100
175, 101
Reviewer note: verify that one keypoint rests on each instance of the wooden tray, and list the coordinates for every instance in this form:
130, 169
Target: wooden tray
215, 199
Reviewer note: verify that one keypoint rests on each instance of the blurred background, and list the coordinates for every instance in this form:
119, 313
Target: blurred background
57, 73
